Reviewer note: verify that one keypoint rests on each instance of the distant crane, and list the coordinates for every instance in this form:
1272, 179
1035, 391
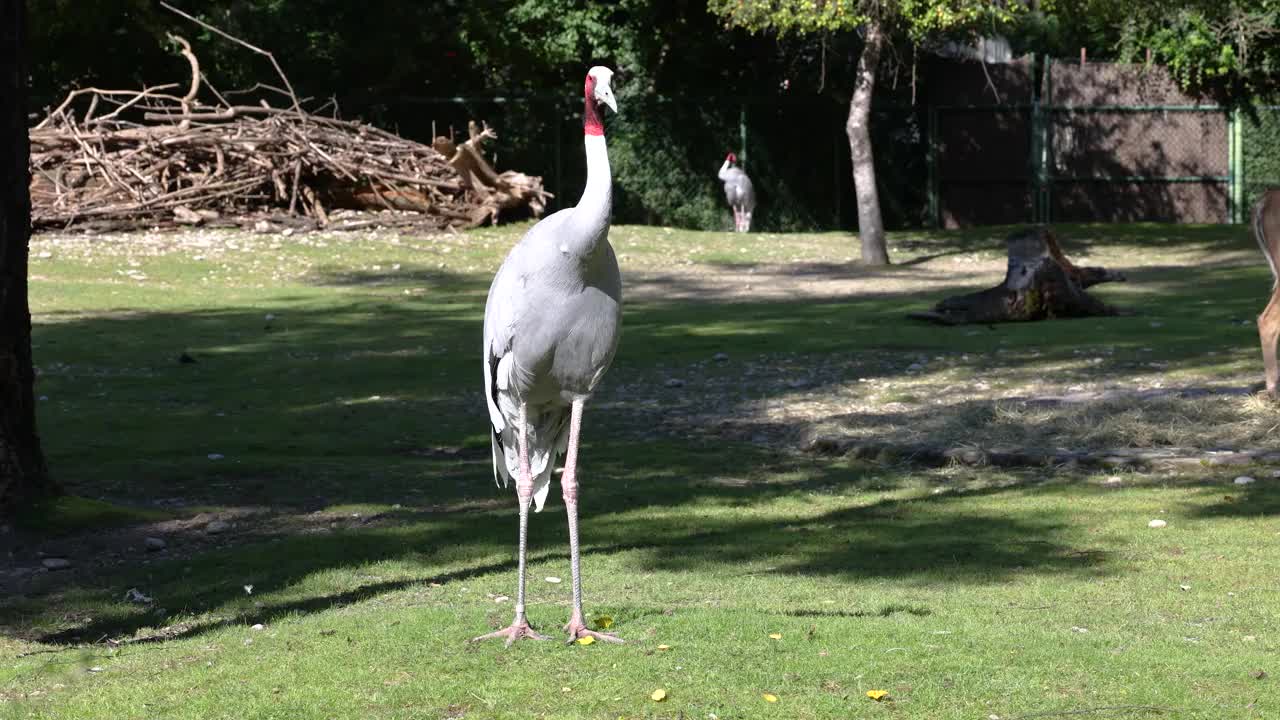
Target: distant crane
739, 192
551, 328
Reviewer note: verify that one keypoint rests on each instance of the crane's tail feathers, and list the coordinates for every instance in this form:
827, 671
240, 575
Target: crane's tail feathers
501, 477
548, 438
542, 487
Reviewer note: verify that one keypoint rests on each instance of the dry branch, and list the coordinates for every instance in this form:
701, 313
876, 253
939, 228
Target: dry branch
157, 158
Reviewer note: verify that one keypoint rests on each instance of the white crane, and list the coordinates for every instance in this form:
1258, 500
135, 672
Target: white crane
550, 331
739, 192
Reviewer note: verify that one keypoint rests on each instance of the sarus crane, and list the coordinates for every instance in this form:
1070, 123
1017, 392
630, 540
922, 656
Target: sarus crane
551, 327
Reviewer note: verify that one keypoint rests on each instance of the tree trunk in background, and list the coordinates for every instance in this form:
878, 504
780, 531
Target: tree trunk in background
857, 127
23, 475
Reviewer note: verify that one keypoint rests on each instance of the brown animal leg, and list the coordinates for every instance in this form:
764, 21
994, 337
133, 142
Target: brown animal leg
1269, 333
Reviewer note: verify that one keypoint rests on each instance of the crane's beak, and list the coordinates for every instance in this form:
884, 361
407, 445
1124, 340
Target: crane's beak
608, 100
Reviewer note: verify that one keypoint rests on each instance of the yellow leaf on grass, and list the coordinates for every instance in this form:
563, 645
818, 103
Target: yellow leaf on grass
658, 695
586, 640
604, 622
775, 636
664, 648
768, 697
878, 695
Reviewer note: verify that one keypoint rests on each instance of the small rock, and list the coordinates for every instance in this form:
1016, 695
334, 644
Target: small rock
1184, 588
675, 383
1258, 674
154, 543
133, 595
914, 367
55, 563
217, 526
1079, 629
1157, 524
258, 626
501, 599
1244, 480
553, 579
216, 456
262, 226
95, 669
269, 317
721, 357
1113, 480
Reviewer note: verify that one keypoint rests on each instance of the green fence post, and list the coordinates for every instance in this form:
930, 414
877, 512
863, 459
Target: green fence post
931, 164
1046, 140
1236, 162
558, 130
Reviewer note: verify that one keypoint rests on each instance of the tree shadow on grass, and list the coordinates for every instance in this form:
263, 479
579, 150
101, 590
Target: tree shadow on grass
375, 400
919, 538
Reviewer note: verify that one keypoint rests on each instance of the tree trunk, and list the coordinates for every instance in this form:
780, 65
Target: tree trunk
857, 127
23, 475
1041, 283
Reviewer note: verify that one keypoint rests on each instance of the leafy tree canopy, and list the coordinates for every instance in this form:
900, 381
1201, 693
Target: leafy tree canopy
921, 20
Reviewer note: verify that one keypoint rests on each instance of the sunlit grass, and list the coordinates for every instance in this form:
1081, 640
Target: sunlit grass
332, 416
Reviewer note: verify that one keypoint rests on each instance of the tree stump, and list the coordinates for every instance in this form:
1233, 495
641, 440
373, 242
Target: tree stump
1041, 283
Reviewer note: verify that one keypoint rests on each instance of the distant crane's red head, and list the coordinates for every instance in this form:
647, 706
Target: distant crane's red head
731, 158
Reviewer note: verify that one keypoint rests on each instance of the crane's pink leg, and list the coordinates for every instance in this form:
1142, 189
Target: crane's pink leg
569, 489
519, 627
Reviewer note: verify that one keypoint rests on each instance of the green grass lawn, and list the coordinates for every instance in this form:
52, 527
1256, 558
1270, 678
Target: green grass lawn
332, 418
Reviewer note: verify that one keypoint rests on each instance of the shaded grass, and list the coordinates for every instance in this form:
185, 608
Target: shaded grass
69, 513
350, 418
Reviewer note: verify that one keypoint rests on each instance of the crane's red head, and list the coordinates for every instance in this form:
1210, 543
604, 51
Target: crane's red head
597, 91
731, 158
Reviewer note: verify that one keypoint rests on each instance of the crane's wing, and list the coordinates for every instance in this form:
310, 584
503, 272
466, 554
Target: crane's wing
746, 193
507, 303
738, 189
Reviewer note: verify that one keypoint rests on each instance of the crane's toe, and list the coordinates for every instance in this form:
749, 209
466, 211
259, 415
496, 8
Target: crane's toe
577, 631
518, 630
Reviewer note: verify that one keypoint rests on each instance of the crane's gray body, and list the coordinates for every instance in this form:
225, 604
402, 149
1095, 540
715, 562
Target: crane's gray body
738, 190
551, 328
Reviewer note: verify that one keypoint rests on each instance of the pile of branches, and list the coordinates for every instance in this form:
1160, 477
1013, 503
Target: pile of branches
122, 159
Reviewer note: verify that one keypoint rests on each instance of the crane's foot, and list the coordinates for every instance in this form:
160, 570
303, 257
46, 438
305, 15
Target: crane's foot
518, 630
577, 631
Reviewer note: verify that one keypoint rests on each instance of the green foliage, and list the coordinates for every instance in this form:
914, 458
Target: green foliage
1228, 48
1260, 140
920, 20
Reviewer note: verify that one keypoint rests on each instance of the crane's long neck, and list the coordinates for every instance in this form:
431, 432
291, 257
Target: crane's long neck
591, 216
724, 171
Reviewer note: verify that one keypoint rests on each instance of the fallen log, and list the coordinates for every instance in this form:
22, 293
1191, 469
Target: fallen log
1040, 283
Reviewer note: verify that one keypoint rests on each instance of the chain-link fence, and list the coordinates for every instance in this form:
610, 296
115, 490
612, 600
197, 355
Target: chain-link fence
1099, 143
665, 153
1029, 141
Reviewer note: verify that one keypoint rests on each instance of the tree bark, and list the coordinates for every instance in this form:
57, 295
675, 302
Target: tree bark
857, 127
23, 474
1041, 283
